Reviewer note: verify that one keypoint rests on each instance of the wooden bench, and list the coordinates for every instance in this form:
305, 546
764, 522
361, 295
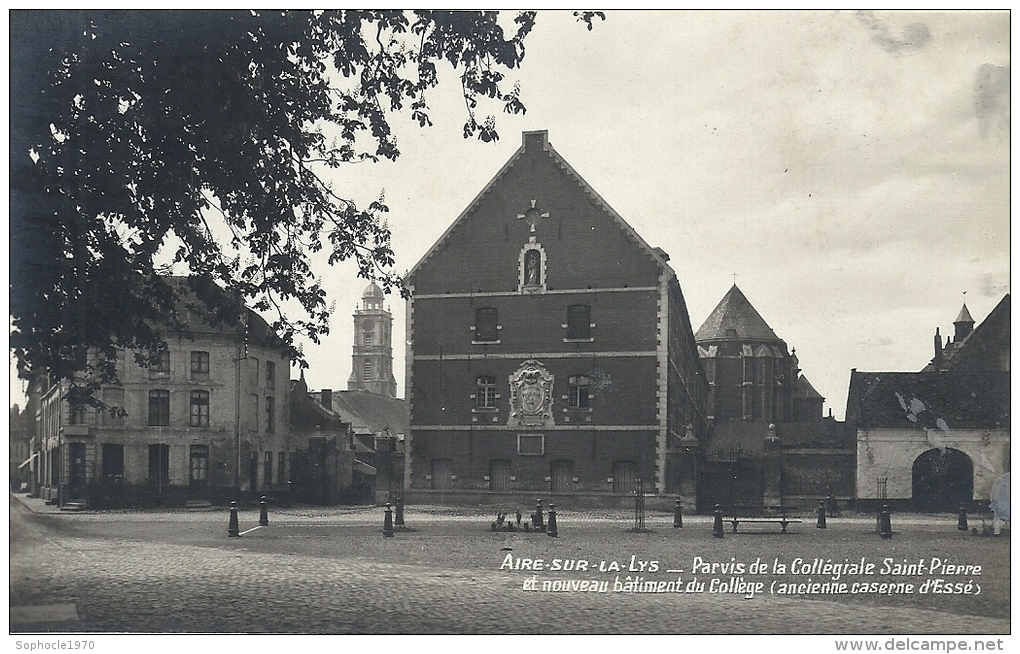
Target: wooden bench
782, 519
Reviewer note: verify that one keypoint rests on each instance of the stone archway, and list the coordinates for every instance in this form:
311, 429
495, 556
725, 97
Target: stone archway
942, 480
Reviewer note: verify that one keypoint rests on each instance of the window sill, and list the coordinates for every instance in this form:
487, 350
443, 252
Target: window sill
487, 410
578, 340
485, 342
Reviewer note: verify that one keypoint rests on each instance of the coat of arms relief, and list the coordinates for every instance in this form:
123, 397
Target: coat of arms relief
531, 395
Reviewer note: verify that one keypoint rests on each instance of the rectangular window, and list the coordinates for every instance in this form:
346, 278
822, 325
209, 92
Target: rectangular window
578, 392
159, 464
270, 414
270, 374
281, 467
113, 462
159, 363
367, 337
367, 369
485, 392
199, 363
159, 408
579, 321
531, 444
255, 412
198, 466
78, 414
486, 325
199, 408
267, 473
255, 365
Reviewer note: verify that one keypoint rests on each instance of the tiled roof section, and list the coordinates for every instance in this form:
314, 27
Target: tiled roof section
805, 390
929, 400
371, 413
735, 319
307, 412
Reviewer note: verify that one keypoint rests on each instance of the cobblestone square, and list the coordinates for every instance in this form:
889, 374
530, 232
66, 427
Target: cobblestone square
331, 571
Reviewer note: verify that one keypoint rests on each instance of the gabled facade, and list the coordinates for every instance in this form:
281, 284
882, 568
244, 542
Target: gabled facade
206, 420
550, 350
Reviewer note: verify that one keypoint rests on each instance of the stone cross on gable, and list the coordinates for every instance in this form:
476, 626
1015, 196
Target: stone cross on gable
532, 215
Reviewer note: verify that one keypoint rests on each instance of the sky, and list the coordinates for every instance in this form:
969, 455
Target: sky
851, 170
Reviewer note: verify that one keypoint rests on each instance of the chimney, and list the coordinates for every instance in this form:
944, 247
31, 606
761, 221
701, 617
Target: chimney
938, 350
327, 398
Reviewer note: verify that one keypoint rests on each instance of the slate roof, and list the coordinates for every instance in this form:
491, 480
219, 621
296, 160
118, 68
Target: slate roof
735, 319
987, 340
929, 400
371, 413
964, 316
805, 390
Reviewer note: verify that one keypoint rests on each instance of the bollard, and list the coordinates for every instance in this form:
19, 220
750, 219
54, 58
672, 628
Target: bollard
886, 522
678, 516
399, 520
551, 531
387, 529
264, 513
821, 514
232, 529
962, 523
717, 528
539, 523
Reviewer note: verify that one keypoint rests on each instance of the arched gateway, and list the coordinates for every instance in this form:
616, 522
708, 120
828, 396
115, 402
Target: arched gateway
942, 480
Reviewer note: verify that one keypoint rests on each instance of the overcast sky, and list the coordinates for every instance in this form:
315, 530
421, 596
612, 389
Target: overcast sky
852, 170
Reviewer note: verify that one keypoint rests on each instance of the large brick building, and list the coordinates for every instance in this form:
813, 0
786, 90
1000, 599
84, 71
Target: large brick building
206, 420
549, 349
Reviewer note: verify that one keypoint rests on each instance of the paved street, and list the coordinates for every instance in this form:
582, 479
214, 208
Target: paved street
329, 571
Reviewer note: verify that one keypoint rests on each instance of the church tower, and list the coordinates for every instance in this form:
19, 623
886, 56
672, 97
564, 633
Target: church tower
372, 360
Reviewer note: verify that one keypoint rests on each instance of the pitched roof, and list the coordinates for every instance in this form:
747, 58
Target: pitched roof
371, 413
987, 344
541, 138
985, 347
805, 390
735, 319
929, 400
